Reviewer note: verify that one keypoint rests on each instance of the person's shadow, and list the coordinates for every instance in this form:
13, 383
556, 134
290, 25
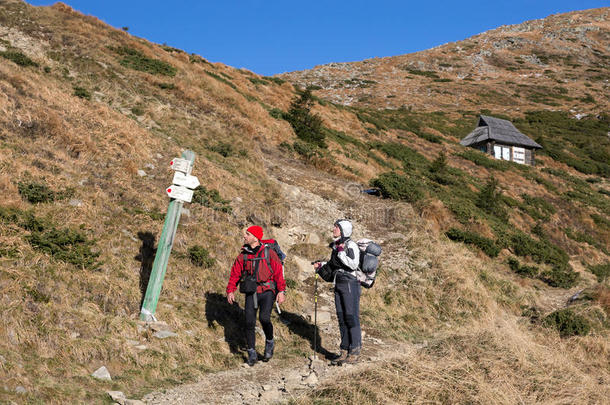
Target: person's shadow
230, 317
146, 257
300, 326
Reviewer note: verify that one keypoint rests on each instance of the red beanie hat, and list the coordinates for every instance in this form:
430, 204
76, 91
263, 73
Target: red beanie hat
257, 231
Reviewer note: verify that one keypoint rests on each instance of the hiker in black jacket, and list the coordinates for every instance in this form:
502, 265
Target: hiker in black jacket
344, 260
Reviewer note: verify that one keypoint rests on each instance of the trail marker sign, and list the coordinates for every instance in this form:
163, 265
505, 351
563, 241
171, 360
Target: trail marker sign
186, 180
179, 193
181, 165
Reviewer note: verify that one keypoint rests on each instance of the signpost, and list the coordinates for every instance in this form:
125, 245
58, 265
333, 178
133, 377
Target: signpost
179, 192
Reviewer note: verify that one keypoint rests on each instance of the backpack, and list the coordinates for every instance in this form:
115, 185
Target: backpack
369, 261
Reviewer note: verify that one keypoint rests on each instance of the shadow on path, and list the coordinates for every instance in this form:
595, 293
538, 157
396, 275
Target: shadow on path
300, 326
146, 256
230, 317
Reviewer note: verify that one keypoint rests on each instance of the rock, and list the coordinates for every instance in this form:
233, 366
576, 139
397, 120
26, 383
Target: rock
74, 335
141, 347
267, 387
134, 402
141, 173
131, 342
102, 374
158, 326
270, 396
311, 380
20, 390
149, 166
186, 212
323, 317
163, 334
75, 203
117, 396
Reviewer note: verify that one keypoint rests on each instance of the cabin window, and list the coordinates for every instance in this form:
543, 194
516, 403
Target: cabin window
519, 155
502, 152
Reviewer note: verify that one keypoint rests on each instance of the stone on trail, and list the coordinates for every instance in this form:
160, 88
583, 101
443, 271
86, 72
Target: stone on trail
163, 334
102, 374
117, 396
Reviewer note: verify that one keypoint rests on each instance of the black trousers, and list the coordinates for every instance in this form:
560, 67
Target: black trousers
347, 304
265, 304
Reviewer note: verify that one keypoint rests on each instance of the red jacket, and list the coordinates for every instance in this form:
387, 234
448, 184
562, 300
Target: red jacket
276, 269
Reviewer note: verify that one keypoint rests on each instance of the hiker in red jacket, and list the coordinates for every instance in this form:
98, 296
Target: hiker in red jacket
261, 279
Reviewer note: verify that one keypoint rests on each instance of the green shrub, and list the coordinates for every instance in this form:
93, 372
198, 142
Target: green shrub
67, 245
393, 185
82, 92
134, 59
307, 126
567, 323
225, 149
410, 158
488, 246
211, 199
18, 57
275, 80
220, 79
490, 199
522, 270
481, 159
559, 276
166, 86
540, 251
277, 113
35, 192
256, 80
601, 271
199, 256
306, 150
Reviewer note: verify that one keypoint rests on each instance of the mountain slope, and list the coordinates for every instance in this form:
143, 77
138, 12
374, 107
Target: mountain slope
91, 118
561, 60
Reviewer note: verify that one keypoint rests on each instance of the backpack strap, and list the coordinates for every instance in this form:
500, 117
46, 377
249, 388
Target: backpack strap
270, 283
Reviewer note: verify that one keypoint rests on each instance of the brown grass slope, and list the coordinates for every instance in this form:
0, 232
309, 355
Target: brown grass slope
94, 115
515, 67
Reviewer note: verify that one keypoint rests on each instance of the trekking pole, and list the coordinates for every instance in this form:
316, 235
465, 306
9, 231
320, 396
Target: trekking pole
315, 317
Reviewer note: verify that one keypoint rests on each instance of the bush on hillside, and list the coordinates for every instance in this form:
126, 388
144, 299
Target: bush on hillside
522, 270
490, 199
211, 199
307, 126
82, 93
134, 59
393, 185
35, 193
488, 246
199, 256
567, 323
38, 192
601, 271
66, 244
18, 57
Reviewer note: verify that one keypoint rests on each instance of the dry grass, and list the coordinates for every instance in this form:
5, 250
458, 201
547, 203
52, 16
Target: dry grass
58, 322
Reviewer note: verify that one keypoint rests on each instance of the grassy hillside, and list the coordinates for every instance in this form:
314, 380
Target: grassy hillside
91, 118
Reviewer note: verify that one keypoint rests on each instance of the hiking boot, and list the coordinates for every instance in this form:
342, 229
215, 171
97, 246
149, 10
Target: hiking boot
269, 345
339, 360
252, 357
353, 356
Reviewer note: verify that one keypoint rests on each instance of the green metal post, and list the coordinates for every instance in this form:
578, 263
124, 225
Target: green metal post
164, 249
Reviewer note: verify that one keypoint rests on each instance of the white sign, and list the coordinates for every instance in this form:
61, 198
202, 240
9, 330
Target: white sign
186, 180
518, 155
180, 193
181, 165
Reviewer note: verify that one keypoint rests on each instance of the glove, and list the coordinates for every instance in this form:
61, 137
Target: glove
340, 248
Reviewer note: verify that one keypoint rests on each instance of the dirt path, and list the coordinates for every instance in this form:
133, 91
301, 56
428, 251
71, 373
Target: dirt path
309, 220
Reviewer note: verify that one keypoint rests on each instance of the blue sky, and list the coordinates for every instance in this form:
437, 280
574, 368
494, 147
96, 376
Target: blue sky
272, 36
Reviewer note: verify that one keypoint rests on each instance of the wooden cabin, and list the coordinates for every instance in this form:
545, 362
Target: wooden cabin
500, 138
